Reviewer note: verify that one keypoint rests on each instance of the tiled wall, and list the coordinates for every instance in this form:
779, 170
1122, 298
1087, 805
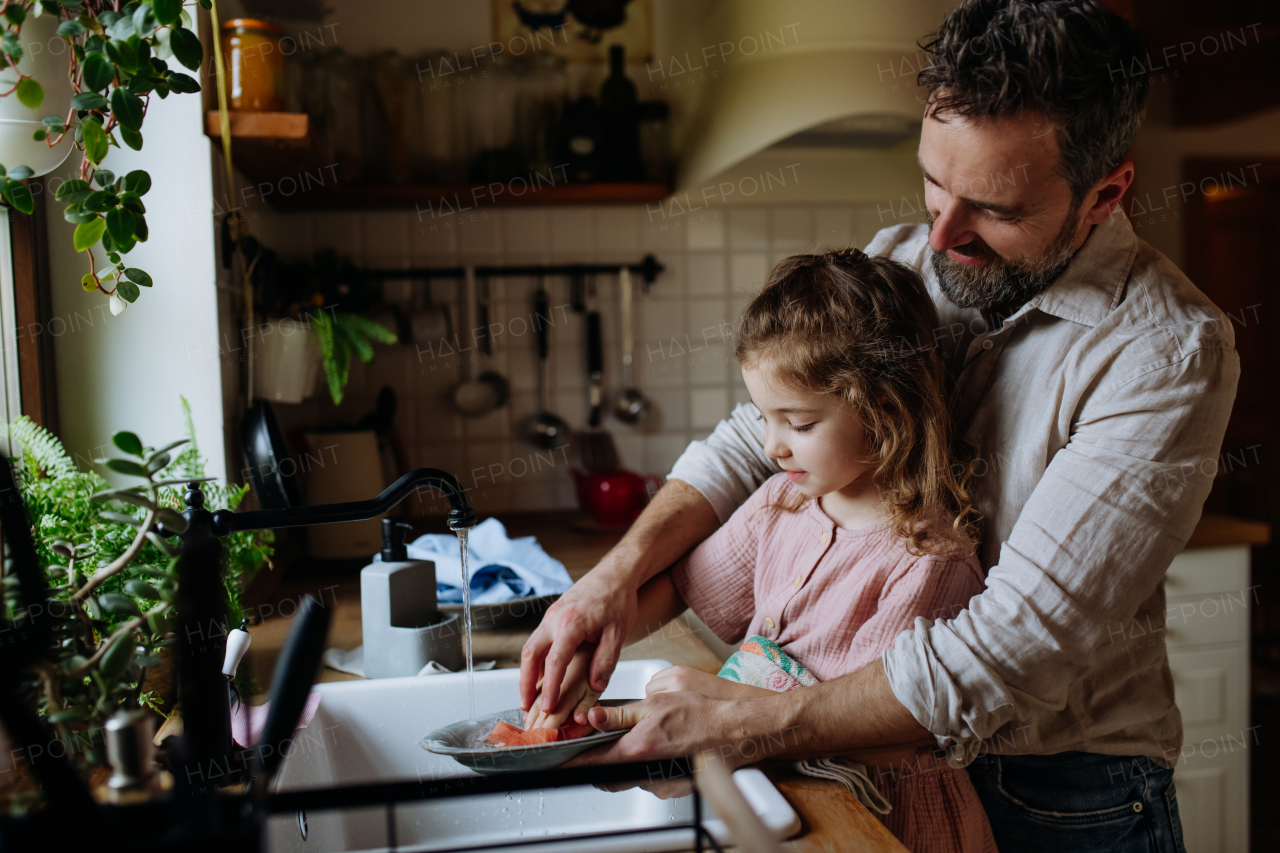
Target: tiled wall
714, 260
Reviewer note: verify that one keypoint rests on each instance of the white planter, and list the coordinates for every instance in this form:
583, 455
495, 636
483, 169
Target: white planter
45, 59
286, 362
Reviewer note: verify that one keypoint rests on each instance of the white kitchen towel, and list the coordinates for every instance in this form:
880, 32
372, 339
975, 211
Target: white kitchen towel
353, 662
852, 775
501, 568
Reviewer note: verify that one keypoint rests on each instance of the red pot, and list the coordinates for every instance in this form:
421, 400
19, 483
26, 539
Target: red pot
616, 498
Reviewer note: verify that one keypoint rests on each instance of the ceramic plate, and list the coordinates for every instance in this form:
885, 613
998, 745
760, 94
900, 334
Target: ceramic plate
464, 742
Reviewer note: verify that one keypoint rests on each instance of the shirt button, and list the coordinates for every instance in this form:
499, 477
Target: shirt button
768, 620
826, 534
799, 580
987, 344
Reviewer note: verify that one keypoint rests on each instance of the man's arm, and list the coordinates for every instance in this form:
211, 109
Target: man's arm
856, 713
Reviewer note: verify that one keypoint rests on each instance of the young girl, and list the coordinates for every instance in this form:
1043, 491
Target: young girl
865, 529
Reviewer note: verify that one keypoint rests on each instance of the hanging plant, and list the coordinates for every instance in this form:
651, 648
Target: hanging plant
117, 60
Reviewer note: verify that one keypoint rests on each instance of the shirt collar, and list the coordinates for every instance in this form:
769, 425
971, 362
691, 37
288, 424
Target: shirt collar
1093, 283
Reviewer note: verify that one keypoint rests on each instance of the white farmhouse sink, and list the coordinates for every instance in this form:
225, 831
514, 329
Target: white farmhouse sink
368, 731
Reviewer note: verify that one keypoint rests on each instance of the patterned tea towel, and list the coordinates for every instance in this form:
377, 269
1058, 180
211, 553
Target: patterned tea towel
762, 663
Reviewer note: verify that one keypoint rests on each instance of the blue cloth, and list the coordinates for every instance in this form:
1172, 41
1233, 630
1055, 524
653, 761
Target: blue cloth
501, 569
1079, 802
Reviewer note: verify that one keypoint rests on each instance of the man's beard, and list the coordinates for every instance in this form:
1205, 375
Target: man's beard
999, 284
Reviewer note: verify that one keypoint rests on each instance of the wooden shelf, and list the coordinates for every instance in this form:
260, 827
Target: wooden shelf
278, 152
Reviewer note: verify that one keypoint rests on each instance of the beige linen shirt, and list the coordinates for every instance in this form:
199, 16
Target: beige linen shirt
1098, 411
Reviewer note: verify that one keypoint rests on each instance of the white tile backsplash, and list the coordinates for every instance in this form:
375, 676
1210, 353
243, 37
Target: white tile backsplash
716, 260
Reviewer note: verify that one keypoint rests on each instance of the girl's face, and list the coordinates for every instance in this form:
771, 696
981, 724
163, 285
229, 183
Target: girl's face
818, 441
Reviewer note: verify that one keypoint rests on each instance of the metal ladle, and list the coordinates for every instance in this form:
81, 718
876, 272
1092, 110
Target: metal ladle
631, 406
479, 395
544, 429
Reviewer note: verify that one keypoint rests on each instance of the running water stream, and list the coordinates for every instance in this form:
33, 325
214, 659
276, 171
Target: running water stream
466, 623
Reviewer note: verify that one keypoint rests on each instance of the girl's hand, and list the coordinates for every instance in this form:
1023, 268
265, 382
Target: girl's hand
677, 678
574, 698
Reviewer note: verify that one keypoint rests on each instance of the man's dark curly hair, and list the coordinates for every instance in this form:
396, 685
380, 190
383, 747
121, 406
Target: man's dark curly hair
1075, 61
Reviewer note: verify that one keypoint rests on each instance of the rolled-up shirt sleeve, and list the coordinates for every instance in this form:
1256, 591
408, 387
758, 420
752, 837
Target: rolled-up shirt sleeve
1092, 543
730, 464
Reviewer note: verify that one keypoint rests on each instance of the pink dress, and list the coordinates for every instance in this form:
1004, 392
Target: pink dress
834, 599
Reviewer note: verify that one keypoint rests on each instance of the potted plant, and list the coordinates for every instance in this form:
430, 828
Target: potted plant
114, 576
116, 62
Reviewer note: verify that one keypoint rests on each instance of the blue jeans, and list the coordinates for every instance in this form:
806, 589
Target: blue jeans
1078, 802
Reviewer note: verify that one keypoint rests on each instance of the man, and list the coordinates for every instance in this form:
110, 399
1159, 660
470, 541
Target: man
1094, 380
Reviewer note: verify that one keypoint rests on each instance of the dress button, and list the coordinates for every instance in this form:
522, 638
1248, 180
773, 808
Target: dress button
826, 534
987, 344
768, 620
799, 580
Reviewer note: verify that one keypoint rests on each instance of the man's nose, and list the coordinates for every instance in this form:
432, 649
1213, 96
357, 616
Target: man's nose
950, 228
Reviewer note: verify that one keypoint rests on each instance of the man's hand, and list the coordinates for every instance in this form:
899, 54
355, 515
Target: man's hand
671, 725
601, 607
852, 714
576, 696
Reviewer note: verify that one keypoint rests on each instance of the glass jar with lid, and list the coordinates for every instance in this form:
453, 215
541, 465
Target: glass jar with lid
255, 65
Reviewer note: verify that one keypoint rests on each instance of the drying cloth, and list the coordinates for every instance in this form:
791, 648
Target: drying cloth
353, 662
762, 663
501, 568
248, 721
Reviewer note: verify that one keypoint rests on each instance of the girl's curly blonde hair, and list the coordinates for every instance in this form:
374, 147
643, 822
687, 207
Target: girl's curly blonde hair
862, 329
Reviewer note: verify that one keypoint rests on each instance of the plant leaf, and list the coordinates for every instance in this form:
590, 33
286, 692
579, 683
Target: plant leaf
88, 233
127, 290
19, 197
124, 466
122, 54
167, 11
87, 101
71, 29
118, 656
119, 603
131, 137
95, 141
171, 519
186, 47
141, 589
67, 188
127, 108
136, 181
137, 276
30, 93
20, 173
120, 224
98, 72
128, 442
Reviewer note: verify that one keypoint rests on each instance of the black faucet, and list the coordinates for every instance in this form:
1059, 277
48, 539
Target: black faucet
461, 516
207, 721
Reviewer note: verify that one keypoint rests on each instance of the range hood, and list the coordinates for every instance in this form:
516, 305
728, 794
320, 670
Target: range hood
834, 73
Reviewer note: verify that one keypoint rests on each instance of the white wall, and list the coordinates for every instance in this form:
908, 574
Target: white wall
127, 372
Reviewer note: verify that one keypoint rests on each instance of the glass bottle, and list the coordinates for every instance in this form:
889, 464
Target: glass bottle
621, 154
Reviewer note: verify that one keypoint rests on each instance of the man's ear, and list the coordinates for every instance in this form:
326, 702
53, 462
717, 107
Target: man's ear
1109, 192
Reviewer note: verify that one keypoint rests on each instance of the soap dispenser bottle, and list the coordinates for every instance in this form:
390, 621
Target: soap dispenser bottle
403, 629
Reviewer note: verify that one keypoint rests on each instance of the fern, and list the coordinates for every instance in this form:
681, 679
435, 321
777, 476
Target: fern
190, 463
41, 449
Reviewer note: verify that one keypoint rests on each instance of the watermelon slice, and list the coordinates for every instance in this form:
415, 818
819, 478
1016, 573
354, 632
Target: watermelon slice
505, 734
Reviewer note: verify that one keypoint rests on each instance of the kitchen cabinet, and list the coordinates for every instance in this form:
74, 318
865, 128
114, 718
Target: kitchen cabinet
1209, 600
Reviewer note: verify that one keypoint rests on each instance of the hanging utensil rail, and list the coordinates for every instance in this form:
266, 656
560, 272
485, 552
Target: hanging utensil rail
648, 269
